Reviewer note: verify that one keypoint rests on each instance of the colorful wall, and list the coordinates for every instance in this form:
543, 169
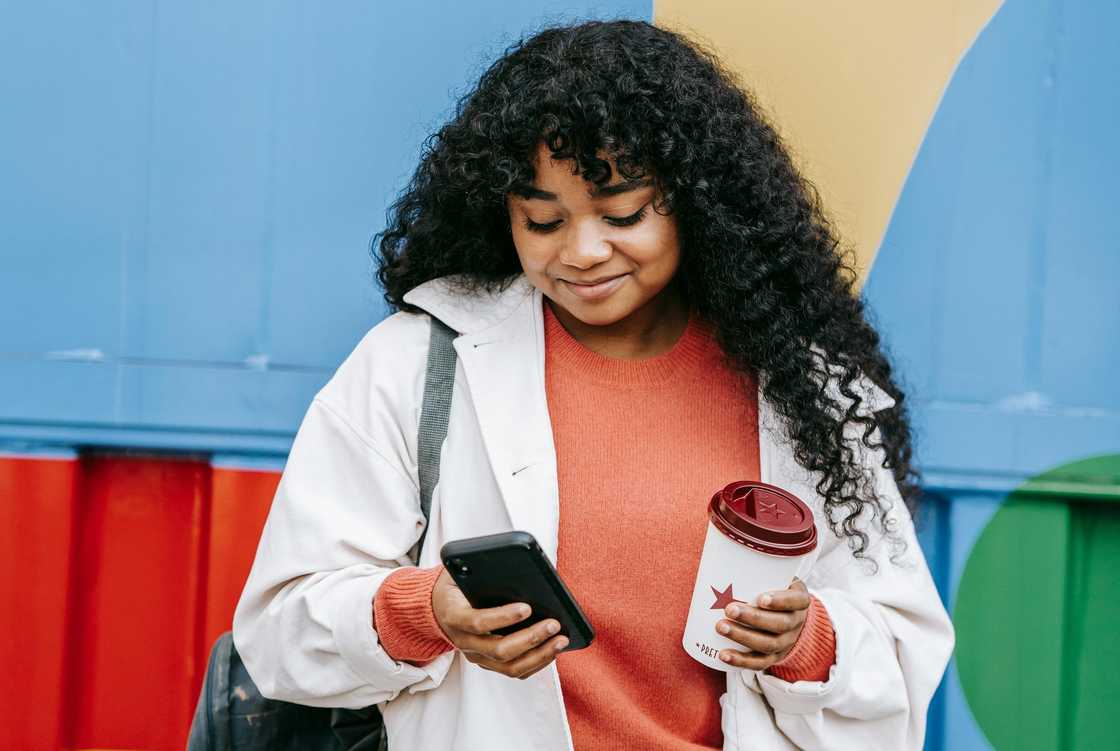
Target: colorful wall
186, 198
996, 286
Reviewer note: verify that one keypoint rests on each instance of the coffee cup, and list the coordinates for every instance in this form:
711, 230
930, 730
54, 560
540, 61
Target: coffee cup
759, 538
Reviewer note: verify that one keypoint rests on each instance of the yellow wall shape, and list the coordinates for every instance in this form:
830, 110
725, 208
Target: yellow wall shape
851, 87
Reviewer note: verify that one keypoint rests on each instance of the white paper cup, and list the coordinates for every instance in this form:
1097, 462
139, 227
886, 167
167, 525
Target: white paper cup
759, 538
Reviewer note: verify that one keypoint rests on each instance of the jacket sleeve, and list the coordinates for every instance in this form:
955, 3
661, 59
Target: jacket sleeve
893, 639
345, 515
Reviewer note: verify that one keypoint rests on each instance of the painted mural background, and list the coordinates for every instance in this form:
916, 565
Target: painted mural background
187, 193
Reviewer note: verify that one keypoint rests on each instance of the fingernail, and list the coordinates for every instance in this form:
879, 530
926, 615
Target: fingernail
723, 628
561, 643
765, 600
524, 611
553, 627
725, 657
733, 611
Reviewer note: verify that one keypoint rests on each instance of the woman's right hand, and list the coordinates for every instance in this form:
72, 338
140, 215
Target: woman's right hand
518, 655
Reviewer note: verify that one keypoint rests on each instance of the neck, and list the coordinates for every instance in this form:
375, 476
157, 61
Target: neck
649, 331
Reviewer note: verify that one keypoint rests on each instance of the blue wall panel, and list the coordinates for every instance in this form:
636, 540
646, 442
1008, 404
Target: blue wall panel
188, 195
996, 287
1080, 274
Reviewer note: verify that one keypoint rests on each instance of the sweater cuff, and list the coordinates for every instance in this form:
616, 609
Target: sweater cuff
814, 654
403, 617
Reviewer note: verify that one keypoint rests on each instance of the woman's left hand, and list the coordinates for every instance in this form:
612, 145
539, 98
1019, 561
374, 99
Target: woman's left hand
768, 631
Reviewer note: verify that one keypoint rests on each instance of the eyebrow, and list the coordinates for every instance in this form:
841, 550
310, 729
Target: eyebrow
529, 192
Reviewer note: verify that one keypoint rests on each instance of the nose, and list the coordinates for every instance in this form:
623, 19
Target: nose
585, 246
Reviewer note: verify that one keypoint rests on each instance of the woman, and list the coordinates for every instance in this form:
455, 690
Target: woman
650, 304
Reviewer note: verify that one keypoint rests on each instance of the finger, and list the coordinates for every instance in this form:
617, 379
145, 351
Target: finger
539, 658
475, 644
757, 641
746, 659
531, 661
512, 646
794, 598
485, 620
776, 622
503, 648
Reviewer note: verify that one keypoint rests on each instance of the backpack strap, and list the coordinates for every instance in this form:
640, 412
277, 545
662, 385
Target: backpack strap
434, 413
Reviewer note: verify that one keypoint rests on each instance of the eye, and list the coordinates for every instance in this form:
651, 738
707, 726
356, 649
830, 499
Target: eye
542, 228
624, 221
627, 221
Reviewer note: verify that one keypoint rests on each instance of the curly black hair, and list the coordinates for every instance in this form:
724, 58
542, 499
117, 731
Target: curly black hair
759, 258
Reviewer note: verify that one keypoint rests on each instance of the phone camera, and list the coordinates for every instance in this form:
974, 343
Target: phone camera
458, 563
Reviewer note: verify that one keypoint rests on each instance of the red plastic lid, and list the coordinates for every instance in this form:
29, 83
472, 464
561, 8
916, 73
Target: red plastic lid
764, 517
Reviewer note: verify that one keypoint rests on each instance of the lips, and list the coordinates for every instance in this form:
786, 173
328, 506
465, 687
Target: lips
592, 283
596, 291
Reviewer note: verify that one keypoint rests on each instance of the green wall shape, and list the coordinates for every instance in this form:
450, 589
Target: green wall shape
1037, 612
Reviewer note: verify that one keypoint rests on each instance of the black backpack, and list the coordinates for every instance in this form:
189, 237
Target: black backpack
231, 714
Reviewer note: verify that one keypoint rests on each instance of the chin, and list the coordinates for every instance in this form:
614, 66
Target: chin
602, 314
593, 319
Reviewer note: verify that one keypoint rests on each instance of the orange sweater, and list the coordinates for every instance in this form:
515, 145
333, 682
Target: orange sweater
641, 445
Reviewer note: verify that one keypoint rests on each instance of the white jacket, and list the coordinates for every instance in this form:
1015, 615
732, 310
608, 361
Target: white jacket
347, 513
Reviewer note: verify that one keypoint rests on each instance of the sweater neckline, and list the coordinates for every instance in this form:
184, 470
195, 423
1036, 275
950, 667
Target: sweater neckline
692, 351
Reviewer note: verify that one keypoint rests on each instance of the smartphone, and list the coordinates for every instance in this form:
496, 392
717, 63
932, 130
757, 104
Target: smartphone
499, 569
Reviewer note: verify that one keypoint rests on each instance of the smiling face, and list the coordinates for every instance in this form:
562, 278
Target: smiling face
570, 235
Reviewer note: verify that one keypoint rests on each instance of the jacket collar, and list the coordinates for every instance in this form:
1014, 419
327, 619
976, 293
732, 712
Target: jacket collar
469, 313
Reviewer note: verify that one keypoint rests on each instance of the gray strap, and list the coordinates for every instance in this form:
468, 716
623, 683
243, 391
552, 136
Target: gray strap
434, 413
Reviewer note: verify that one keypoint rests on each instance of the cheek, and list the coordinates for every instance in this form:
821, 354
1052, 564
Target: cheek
534, 254
657, 251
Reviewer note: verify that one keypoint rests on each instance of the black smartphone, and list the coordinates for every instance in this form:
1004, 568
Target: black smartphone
496, 570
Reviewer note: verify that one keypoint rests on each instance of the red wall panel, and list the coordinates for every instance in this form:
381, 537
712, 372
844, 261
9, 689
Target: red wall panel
239, 503
36, 520
135, 624
121, 571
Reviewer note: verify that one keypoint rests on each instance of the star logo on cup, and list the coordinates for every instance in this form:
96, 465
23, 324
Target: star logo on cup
724, 598
771, 508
